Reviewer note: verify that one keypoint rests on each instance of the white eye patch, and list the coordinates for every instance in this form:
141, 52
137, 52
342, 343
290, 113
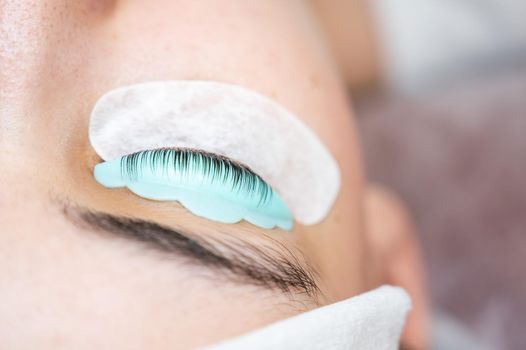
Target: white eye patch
227, 120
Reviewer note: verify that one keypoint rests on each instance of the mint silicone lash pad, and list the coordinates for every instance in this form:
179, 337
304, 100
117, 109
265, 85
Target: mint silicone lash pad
208, 185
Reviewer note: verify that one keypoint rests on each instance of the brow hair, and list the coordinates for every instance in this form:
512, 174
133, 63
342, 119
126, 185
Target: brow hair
273, 266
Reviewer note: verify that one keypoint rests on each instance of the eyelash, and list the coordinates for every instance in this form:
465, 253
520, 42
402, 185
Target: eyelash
183, 161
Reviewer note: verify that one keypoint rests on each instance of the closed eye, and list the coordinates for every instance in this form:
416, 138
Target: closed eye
185, 163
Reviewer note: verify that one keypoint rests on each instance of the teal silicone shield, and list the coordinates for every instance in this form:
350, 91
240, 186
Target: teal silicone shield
208, 185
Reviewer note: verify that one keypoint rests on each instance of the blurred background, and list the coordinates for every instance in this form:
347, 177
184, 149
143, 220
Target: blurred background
439, 88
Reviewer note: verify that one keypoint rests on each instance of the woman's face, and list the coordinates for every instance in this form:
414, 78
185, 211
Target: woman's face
75, 270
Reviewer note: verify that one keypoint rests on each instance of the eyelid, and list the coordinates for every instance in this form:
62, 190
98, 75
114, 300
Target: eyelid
183, 162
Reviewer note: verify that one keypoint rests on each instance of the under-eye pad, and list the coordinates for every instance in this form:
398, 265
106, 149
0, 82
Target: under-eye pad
212, 187
225, 120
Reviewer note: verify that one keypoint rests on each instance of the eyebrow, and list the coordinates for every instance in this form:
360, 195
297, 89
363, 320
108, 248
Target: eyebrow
275, 268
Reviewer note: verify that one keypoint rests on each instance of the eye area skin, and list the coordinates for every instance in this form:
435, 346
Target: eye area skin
65, 286
82, 290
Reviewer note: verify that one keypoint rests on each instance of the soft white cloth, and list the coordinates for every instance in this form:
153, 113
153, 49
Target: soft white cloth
369, 321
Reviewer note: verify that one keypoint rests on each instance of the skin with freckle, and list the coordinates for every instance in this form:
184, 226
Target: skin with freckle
64, 288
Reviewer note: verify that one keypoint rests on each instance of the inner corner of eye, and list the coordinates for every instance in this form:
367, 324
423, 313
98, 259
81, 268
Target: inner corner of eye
92, 158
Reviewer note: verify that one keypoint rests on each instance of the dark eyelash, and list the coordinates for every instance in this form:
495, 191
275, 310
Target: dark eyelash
215, 167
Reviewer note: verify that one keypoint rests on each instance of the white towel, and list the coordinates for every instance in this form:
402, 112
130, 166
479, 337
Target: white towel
369, 321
